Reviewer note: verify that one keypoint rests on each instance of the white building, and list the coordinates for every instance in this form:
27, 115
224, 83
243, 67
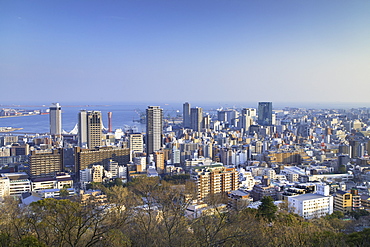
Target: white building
86, 175
269, 172
55, 117
140, 163
246, 179
14, 184
312, 205
58, 182
4, 187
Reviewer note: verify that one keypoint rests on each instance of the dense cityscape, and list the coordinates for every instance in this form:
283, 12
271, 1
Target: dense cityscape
195, 170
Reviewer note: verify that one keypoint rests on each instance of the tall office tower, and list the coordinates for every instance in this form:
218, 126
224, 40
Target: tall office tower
154, 128
89, 129
246, 119
110, 122
196, 118
186, 115
265, 113
55, 117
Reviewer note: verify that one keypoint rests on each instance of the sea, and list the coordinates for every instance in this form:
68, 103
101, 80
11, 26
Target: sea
127, 115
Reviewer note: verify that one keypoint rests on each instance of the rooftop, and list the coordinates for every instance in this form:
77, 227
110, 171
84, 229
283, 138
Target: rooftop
309, 196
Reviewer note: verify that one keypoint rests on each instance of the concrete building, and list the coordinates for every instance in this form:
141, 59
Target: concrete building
214, 179
263, 189
136, 143
154, 129
186, 115
55, 117
86, 158
90, 129
97, 173
343, 201
238, 199
58, 182
196, 118
14, 184
313, 205
45, 163
140, 163
265, 113
159, 162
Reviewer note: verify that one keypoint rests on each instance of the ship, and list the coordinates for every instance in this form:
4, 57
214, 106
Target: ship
8, 129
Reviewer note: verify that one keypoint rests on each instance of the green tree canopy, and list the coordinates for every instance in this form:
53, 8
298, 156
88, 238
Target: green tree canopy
267, 209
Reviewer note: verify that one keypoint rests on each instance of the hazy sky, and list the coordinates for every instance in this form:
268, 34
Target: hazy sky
184, 50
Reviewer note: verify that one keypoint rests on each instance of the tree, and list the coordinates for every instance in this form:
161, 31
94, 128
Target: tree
267, 209
63, 193
65, 222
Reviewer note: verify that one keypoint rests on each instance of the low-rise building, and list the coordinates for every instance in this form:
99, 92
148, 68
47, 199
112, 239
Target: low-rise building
312, 205
343, 201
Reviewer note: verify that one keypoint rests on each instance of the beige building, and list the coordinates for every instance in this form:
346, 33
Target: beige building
343, 201
86, 158
45, 163
136, 143
214, 179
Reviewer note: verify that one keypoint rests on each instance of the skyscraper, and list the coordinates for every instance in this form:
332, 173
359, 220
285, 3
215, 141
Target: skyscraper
154, 128
246, 119
55, 117
89, 129
265, 113
186, 115
196, 117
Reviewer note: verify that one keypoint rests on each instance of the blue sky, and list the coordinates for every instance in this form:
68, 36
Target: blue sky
176, 51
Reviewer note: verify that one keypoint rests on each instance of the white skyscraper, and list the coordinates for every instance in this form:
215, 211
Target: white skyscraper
55, 117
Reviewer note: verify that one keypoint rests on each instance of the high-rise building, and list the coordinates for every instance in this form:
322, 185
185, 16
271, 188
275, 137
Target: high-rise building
186, 115
196, 118
265, 113
110, 129
45, 163
90, 129
86, 158
55, 117
214, 179
246, 119
154, 129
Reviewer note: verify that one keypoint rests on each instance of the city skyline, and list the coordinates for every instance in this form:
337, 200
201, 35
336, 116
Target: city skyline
284, 51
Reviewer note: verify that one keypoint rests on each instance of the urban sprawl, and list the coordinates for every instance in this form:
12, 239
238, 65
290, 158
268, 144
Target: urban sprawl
311, 162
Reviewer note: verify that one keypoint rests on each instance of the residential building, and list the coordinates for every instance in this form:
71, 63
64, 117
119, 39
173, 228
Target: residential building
214, 179
154, 129
263, 189
45, 163
86, 158
136, 143
343, 201
239, 199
